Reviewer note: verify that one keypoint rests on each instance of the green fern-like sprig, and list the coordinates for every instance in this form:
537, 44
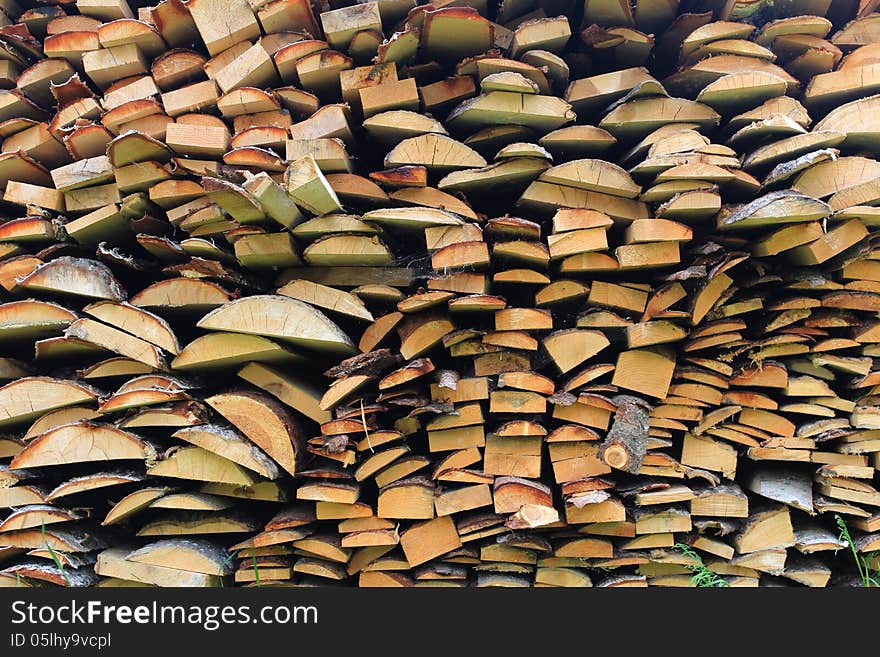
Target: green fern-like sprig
55, 558
862, 566
703, 577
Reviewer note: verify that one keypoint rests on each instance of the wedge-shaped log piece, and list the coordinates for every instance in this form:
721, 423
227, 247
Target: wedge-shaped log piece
131, 147
197, 464
82, 442
249, 100
93, 482
593, 175
191, 556
549, 34
252, 68
236, 201
27, 398
115, 366
356, 190
790, 148
107, 65
433, 198
412, 218
782, 484
193, 502
238, 23
80, 539
741, 90
342, 388
690, 80
657, 230
18, 166
329, 298
181, 294
265, 422
514, 173
266, 491
31, 320
786, 206
65, 347
424, 541
866, 193
453, 33
836, 87
571, 347
114, 563
273, 200
648, 371
437, 152
765, 529
280, 317
327, 122
309, 188
859, 120
201, 522
348, 250
106, 224
546, 198
58, 417
594, 92
832, 243
577, 141
715, 31
116, 341
195, 140
83, 173
181, 414
333, 223
540, 113
128, 30
30, 229
420, 333
231, 445
36, 515
831, 176
74, 276
134, 503
637, 118
21, 494
297, 392
136, 321
394, 126
229, 350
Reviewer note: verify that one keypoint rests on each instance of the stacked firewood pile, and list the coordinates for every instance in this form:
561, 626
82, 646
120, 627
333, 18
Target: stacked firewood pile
521, 293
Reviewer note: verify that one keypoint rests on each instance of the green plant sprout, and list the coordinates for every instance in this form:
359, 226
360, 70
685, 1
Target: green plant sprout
703, 577
228, 559
55, 557
868, 580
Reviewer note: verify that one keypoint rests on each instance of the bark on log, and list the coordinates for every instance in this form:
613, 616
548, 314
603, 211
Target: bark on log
624, 447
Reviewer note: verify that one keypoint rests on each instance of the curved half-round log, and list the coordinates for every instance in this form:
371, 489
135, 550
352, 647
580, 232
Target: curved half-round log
280, 317
74, 276
264, 421
26, 399
82, 442
229, 444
